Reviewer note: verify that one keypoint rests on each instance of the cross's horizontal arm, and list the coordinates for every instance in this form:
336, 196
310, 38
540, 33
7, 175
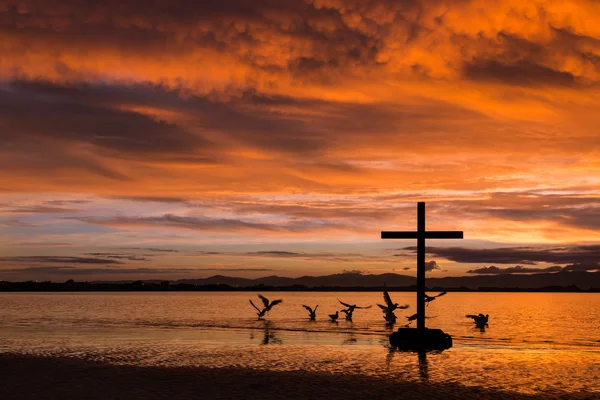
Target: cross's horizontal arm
444, 235
427, 235
399, 235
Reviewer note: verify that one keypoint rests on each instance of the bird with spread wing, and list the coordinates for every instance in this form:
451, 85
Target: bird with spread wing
481, 321
390, 307
312, 313
429, 299
267, 306
350, 309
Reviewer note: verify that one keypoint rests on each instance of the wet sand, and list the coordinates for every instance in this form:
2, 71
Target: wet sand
29, 377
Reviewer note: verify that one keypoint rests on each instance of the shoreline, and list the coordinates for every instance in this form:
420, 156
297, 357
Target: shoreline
36, 377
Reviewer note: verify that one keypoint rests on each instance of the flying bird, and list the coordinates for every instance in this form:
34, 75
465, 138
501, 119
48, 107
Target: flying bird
267, 306
390, 305
389, 308
429, 299
334, 317
312, 314
352, 307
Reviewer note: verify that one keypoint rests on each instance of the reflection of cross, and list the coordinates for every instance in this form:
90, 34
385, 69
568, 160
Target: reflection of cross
421, 234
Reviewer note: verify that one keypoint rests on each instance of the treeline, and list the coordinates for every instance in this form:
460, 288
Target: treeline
168, 286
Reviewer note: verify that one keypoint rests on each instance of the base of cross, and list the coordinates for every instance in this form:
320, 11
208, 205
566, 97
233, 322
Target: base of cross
420, 340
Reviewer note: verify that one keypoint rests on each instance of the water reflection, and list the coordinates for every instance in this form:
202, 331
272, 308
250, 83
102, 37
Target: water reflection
269, 336
423, 366
351, 339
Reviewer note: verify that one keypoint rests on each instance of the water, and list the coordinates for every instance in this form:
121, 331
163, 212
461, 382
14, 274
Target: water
542, 343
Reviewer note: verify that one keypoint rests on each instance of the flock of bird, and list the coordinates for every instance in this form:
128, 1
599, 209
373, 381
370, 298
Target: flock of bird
388, 310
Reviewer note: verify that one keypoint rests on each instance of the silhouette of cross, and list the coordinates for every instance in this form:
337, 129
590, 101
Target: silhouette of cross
421, 234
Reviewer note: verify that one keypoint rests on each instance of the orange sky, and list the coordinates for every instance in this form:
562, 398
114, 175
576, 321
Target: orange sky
285, 135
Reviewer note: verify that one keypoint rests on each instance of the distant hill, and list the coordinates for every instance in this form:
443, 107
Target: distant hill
581, 279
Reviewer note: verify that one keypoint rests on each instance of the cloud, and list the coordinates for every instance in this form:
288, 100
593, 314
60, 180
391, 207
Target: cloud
58, 259
65, 270
518, 254
493, 270
588, 266
44, 244
353, 272
152, 249
522, 73
120, 256
431, 265
225, 225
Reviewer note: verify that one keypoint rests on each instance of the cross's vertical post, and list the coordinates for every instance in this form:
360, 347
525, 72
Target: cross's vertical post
421, 265
421, 234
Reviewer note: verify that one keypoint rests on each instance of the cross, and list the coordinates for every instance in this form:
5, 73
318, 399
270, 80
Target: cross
421, 234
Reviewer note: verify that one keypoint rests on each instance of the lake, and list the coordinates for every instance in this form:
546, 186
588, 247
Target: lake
536, 343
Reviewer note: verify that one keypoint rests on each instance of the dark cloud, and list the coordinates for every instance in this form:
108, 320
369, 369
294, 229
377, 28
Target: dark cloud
119, 256
63, 270
493, 270
152, 249
521, 73
517, 255
431, 265
587, 266
58, 259
91, 121
353, 271
208, 224
38, 209
13, 222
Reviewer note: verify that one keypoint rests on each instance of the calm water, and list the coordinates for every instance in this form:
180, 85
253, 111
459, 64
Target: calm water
535, 343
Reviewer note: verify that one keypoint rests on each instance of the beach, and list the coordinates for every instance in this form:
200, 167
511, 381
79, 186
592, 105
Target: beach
29, 377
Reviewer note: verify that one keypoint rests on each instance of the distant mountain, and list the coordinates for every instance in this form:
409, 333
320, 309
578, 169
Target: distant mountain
581, 279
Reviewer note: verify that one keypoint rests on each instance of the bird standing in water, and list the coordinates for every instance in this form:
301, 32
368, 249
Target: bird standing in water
267, 306
334, 317
312, 313
481, 321
348, 314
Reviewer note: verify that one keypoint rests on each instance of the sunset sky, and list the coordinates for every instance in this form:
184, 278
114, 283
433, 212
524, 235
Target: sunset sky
186, 138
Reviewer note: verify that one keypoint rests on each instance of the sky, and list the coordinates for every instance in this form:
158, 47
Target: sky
183, 138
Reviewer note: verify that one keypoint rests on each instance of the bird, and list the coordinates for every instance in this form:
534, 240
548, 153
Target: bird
334, 317
312, 314
268, 306
480, 320
413, 317
352, 307
390, 307
429, 299
348, 314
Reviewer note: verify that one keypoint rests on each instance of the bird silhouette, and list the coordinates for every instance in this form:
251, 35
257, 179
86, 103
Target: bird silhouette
267, 306
413, 317
334, 317
352, 307
348, 314
312, 313
429, 299
390, 305
389, 308
480, 320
